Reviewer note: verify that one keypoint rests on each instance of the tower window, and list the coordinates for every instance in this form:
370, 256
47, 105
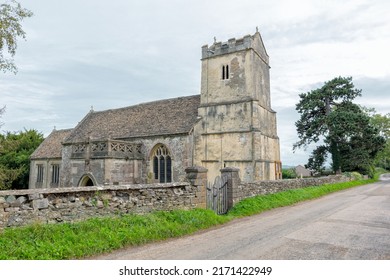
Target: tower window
225, 72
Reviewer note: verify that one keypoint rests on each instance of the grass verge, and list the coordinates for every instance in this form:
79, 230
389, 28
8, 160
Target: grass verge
258, 204
99, 235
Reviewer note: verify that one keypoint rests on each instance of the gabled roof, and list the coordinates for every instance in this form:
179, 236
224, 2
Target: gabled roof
164, 117
51, 147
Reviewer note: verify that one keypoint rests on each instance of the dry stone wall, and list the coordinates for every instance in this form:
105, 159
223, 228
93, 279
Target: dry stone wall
244, 190
24, 207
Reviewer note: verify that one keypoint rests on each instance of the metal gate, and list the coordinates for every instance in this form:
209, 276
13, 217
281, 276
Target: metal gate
217, 196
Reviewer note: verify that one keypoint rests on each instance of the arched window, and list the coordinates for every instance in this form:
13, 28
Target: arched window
162, 164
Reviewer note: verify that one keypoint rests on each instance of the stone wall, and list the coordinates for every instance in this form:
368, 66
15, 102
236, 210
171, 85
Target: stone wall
237, 126
47, 165
269, 187
56, 205
19, 208
239, 190
114, 169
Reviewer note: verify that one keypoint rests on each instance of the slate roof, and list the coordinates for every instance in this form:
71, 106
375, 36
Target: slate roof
163, 117
51, 147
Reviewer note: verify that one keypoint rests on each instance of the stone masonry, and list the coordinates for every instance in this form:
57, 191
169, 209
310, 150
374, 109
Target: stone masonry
238, 190
230, 124
55, 205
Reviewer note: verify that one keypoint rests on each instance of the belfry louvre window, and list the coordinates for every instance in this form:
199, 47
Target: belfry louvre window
40, 173
225, 72
55, 174
162, 164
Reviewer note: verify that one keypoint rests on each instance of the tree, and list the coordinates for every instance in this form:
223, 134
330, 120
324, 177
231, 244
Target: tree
359, 140
329, 116
15, 151
382, 123
317, 159
11, 16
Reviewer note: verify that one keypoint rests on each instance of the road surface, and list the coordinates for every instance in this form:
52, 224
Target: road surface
351, 224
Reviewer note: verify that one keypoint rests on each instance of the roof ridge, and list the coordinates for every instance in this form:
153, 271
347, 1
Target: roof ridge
146, 103
148, 118
62, 130
78, 124
51, 145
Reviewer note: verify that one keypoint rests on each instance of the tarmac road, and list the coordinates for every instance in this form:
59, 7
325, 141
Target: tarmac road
351, 224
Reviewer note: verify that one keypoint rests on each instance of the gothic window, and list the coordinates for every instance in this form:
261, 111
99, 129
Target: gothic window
55, 174
40, 173
155, 167
225, 72
162, 164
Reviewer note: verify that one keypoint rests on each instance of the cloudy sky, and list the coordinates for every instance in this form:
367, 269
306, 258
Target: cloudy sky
110, 54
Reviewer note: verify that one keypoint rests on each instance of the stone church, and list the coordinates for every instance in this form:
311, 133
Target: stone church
230, 124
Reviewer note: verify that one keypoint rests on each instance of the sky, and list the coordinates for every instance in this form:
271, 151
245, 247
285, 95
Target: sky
112, 54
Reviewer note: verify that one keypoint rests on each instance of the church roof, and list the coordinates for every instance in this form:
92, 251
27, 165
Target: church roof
51, 147
163, 117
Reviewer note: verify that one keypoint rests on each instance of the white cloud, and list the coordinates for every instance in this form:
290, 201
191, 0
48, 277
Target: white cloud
83, 53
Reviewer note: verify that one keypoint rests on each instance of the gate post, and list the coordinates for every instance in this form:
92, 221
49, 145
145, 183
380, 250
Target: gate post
231, 176
197, 176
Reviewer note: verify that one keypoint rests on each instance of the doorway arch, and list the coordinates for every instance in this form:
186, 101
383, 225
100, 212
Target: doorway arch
87, 180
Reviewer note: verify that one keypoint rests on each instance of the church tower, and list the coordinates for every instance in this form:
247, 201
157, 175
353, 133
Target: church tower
237, 127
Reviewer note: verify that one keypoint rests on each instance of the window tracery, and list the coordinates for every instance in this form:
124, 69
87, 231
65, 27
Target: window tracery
162, 164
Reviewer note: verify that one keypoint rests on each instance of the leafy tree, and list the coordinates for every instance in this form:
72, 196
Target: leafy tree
359, 140
344, 130
11, 16
317, 159
382, 123
15, 151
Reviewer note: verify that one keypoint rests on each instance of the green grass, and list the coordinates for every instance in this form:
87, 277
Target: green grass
99, 235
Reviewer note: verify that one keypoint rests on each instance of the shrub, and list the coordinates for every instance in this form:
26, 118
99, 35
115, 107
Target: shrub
289, 173
354, 175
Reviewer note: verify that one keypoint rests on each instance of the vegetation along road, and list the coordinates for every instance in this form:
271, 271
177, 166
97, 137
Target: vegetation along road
351, 224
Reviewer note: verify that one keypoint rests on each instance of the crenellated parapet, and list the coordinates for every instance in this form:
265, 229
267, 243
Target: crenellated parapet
233, 45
